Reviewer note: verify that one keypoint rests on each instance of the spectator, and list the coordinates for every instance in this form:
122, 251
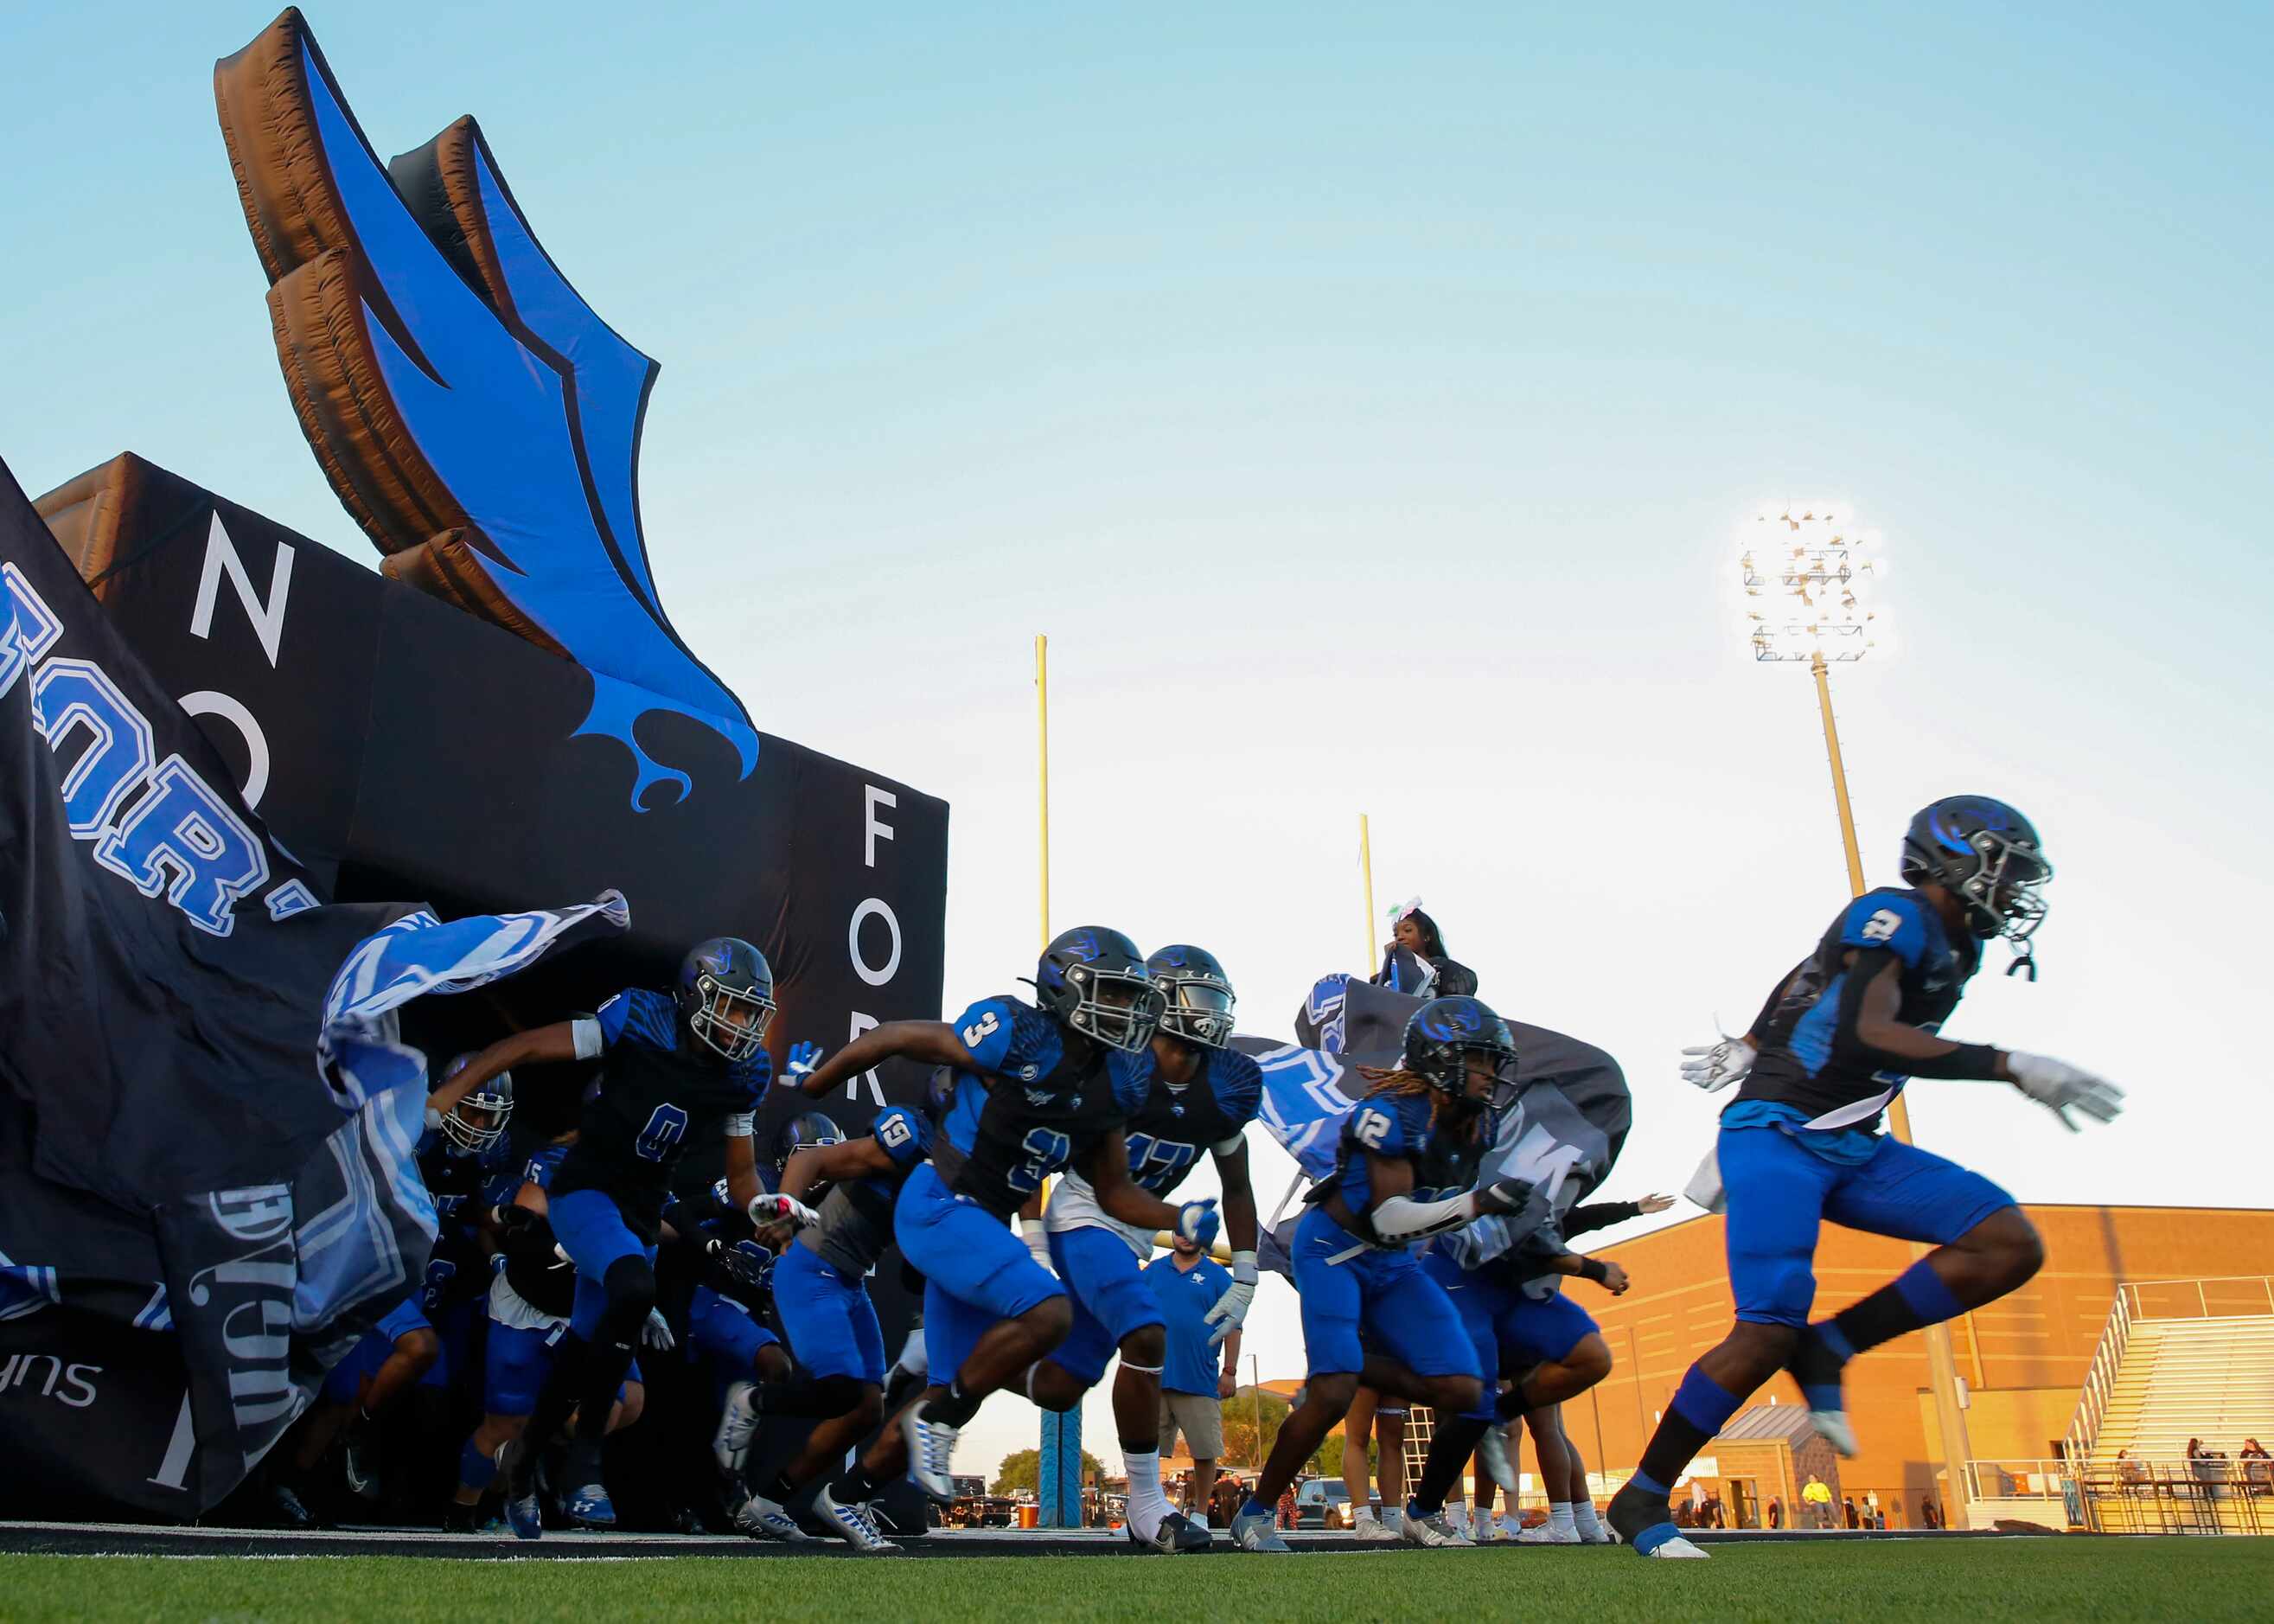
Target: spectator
1816, 1499
2195, 1449
1287, 1506
1776, 1512
1871, 1517
1415, 961
1855, 1519
1386, 1419
1930, 1514
1224, 1501
2256, 1471
1193, 1384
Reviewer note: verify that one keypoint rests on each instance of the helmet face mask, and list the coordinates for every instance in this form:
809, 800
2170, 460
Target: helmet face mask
1092, 980
1196, 997
1454, 1044
726, 996
478, 1122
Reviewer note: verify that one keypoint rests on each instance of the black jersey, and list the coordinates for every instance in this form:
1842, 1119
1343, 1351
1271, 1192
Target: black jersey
1030, 1109
1808, 1059
1168, 1132
459, 1182
656, 1095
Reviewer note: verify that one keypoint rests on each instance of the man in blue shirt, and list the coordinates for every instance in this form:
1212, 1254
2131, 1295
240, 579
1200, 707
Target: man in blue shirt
1187, 1285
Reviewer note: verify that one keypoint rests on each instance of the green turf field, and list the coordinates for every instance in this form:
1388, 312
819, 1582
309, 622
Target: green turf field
2037, 1579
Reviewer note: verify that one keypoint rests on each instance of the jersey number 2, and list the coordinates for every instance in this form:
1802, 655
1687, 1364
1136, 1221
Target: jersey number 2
666, 1126
1047, 1150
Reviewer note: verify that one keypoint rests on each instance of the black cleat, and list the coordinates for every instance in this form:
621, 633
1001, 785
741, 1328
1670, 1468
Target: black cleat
1178, 1535
1646, 1521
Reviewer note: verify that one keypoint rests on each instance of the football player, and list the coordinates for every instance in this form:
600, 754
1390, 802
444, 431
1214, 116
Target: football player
673, 1066
1200, 1097
1032, 1091
1836, 1042
1406, 1169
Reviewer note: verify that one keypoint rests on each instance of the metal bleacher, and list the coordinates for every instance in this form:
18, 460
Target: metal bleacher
2179, 1362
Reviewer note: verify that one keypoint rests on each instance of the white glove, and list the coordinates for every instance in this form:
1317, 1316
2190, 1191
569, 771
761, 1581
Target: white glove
2056, 1084
782, 1210
1037, 1236
1714, 1066
1231, 1311
657, 1333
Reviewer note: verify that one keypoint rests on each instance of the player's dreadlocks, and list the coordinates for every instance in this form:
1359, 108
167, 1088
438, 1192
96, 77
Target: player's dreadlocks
1394, 1080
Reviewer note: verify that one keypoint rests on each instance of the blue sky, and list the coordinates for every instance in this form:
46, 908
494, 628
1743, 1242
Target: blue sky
1364, 401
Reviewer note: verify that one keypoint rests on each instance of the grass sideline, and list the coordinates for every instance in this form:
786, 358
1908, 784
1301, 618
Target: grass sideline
2031, 1579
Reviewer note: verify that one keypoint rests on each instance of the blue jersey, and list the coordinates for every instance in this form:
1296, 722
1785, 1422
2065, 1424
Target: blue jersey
1808, 1057
657, 1093
1185, 1295
856, 1214
1174, 1124
1030, 1107
1445, 1155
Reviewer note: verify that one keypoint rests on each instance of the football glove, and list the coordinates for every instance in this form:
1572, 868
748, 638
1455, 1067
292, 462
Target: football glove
1231, 1311
802, 1058
746, 1262
2056, 1086
1714, 1066
781, 1210
1197, 1222
657, 1333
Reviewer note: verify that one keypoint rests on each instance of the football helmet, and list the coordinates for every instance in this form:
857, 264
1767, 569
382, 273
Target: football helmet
1441, 1035
1987, 855
478, 1122
1196, 997
813, 1128
726, 996
1092, 979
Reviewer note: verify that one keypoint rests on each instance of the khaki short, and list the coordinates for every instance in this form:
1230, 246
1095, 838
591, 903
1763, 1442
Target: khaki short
1197, 1417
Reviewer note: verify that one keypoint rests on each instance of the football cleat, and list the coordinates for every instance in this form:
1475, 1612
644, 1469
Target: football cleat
1547, 1534
762, 1518
738, 1421
363, 1481
932, 1453
1491, 1448
1816, 1368
1370, 1530
525, 1515
1254, 1531
1434, 1530
585, 1501
855, 1524
1178, 1534
291, 1511
1646, 1521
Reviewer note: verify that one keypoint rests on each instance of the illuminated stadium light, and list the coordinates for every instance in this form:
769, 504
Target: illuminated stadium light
1809, 590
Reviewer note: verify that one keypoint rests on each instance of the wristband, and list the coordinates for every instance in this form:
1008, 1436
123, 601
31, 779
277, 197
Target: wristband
1594, 1269
1968, 1063
1243, 1268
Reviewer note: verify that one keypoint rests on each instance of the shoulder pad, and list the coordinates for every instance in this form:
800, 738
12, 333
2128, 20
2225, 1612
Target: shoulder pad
1238, 1083
1895, 920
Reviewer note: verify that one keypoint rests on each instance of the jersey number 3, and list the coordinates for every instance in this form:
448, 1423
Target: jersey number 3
666, 1126
1047, 1150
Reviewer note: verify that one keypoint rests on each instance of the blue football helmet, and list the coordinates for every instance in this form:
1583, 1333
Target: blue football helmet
1196, 996
478, 1122
726, 996
1985, 854
1092, 979
1441, 1035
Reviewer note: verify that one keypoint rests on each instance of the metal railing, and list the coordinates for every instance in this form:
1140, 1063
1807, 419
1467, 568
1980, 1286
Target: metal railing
2018, 1480
2216, 1297
2100, 1378
2209, 1494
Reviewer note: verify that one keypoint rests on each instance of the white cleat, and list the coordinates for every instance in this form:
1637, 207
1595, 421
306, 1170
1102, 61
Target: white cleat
1836, 1430
1371, 1529
1491, 1448
932, 1453
853, 1524
738, 1422
762, 1518
1434, 1531
1548, 1534
1676, 1546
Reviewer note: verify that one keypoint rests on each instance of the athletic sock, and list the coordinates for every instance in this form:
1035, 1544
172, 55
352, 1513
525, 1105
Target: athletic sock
1448, 1452
1583, 1519
853, 1486
781, 1489
475, 1470
1147, 1504
1699, 1409
954, 1408
1560, 1517
1252, 1508
1916, 1299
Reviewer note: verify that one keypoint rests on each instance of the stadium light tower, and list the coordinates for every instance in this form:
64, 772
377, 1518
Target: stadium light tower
1810, 581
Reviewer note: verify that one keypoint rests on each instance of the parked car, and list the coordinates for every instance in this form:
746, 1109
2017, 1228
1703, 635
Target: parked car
1322, 1503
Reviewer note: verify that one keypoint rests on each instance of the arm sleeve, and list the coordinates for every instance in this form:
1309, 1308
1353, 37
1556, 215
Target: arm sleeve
1602, 1215
1401, 1218
590, 1036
